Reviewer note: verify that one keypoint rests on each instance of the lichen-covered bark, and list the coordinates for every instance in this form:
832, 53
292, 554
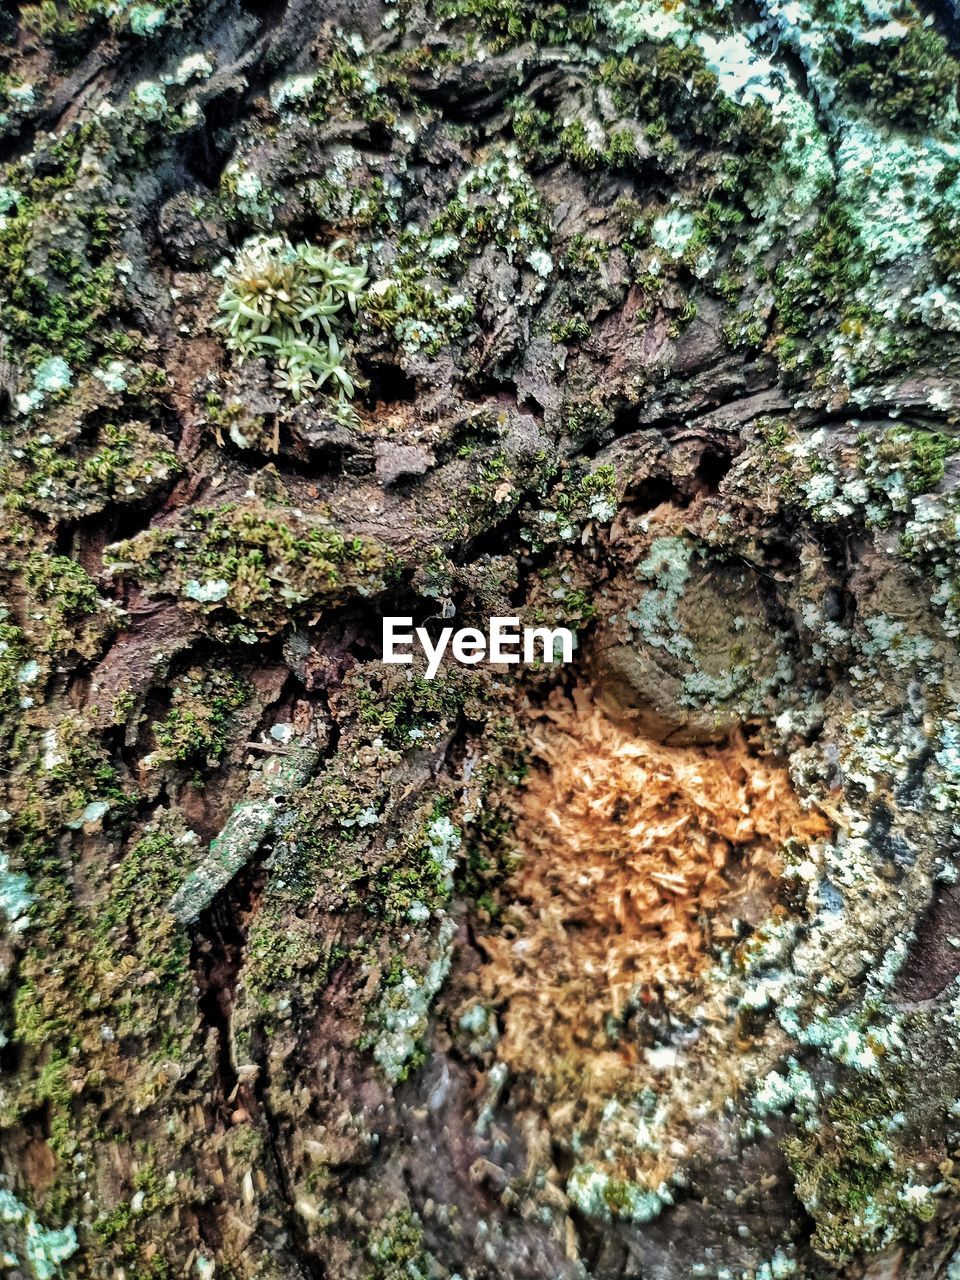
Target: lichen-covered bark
633, 317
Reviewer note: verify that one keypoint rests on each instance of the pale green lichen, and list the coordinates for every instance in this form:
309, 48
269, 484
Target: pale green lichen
146, 19
15, 896
112, 376
855, 1040
667, 568
293, 90
780, 1267
634, 21
672, 231
794, 1091
247, 827
603, 1197
243, 186
405, 1008
894, 643
196, 66
149, 100
51, 376
498, 199
44, 1249
209, 592
743, 74
893, 177
443, 841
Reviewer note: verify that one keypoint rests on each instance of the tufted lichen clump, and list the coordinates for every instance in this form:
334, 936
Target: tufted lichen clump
283, 302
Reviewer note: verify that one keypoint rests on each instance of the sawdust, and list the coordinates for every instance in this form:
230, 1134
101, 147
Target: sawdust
639, 862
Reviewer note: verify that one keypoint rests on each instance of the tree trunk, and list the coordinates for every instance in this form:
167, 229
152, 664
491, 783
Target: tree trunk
635, 320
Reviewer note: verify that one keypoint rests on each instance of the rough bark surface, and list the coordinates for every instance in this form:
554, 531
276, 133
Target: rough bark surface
632, 317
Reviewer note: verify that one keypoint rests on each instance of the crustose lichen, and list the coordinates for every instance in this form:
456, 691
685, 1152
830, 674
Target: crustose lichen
283, 302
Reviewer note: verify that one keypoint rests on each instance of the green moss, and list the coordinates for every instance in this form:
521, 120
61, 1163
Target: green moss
536, 132
127, 456
13, 656
414, 308
823, 275
403, 712
67, 599
587, 418
849, 1174
70, 26
281, 958
574, 500
426, 298
60, 583
909, 81
97, 974
673, 92
133, 916
569, 605
66, 308
871, 481
251, 563
417, 880
67, 27
564, 331
349, 82
115, 1224
586, 254
128, 1231
197, 727
928, 453
120, 464
945, 221
406, 878
510, 22
496, 202
583, 290
576, 143
396, 1251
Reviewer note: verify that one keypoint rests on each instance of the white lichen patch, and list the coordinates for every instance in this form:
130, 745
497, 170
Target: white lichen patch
600, 1196
404, 1009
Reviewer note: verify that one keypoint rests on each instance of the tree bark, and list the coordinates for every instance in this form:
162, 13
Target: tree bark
630, 318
